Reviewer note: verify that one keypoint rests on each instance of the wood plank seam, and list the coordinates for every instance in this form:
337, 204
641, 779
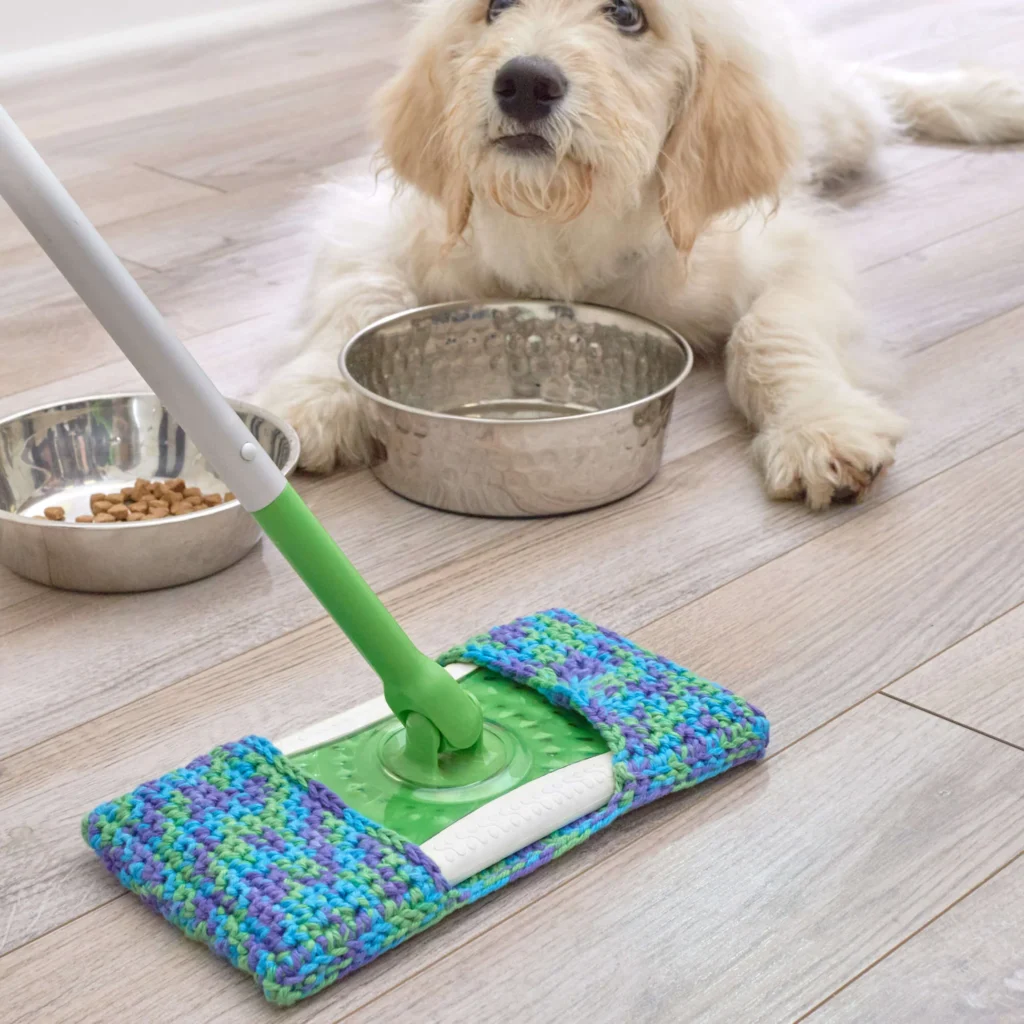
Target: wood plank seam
136, 263
462, 945
117, 358
454, 949
946, 718
963, 639
176, 177
64, 924
941, 241
840, 521
873, 183
918, 349
923, 663
860, 974
971, 422
897, 57
773, 754
622, 850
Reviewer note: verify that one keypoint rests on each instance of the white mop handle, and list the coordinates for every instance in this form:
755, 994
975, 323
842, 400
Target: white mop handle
91, 268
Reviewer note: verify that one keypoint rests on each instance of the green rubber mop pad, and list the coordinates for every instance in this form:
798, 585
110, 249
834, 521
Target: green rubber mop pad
299, 870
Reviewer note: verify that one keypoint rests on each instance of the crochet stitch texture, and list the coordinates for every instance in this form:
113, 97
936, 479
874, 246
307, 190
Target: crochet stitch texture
275, 873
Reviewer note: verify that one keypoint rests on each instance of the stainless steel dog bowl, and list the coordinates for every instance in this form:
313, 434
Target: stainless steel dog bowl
515, 408
61, 454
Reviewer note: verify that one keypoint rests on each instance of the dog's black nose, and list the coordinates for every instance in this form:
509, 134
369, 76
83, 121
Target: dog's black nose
529, 88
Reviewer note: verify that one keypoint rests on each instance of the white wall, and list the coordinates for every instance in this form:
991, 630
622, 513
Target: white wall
37, 34
28, 24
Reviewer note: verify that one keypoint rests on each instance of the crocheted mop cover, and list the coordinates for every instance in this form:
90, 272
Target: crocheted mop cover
275, 873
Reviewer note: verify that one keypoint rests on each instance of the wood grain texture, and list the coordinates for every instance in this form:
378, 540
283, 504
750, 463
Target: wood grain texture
114, 194
28, 280
257, 599
868, 30
804, 660
731, 910
220, 617
742, 915
997, 44
978, 683
198, 165
230, 142
676, 540
924, 206
956, 283
61, 339
966, 966
216, 224
869, 602
229, 67
232, 357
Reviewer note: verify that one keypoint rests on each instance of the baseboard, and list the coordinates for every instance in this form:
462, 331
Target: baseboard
160, 34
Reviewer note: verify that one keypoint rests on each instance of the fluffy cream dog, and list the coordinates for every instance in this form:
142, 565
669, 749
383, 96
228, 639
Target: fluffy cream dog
655, 155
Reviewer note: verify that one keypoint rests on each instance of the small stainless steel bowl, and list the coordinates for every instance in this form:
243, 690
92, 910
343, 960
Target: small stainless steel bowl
61, 454
515, 408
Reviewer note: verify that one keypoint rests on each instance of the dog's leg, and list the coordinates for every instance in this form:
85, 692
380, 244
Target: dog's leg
820, 436
309, 390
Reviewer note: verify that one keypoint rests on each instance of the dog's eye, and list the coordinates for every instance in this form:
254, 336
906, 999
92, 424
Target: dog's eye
627, 16
497, 6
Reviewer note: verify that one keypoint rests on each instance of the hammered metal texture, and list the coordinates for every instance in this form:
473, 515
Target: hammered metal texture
61, 454
516, 408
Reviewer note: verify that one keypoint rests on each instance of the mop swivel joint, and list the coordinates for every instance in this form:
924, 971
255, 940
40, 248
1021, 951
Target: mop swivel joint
437, 713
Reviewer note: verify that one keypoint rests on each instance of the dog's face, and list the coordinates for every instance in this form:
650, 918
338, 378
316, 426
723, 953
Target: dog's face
545, 107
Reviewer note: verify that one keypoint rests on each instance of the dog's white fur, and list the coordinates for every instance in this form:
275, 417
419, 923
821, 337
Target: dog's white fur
680, 187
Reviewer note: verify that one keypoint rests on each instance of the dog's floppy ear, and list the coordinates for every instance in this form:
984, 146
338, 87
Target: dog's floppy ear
731, 143
411, 112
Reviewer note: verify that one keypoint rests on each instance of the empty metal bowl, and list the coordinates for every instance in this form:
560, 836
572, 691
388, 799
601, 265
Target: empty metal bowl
61, 454
515, 408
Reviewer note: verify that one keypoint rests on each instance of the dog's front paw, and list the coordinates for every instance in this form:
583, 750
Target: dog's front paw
836, 456
323, 412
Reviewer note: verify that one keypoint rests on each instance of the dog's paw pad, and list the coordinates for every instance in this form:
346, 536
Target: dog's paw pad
826, 463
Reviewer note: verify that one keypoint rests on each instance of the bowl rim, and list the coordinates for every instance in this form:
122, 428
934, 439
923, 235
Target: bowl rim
237, 404
673, 335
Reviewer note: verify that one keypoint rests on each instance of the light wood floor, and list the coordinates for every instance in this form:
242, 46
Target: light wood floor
869, 871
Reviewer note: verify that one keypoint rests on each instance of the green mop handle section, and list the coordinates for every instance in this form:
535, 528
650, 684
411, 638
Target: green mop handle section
413, 683
416, 688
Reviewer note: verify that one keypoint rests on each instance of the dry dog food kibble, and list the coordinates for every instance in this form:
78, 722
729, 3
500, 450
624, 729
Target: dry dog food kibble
152, 499
147, 500
144, 500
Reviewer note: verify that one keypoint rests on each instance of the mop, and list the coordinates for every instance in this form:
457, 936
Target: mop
302, 860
